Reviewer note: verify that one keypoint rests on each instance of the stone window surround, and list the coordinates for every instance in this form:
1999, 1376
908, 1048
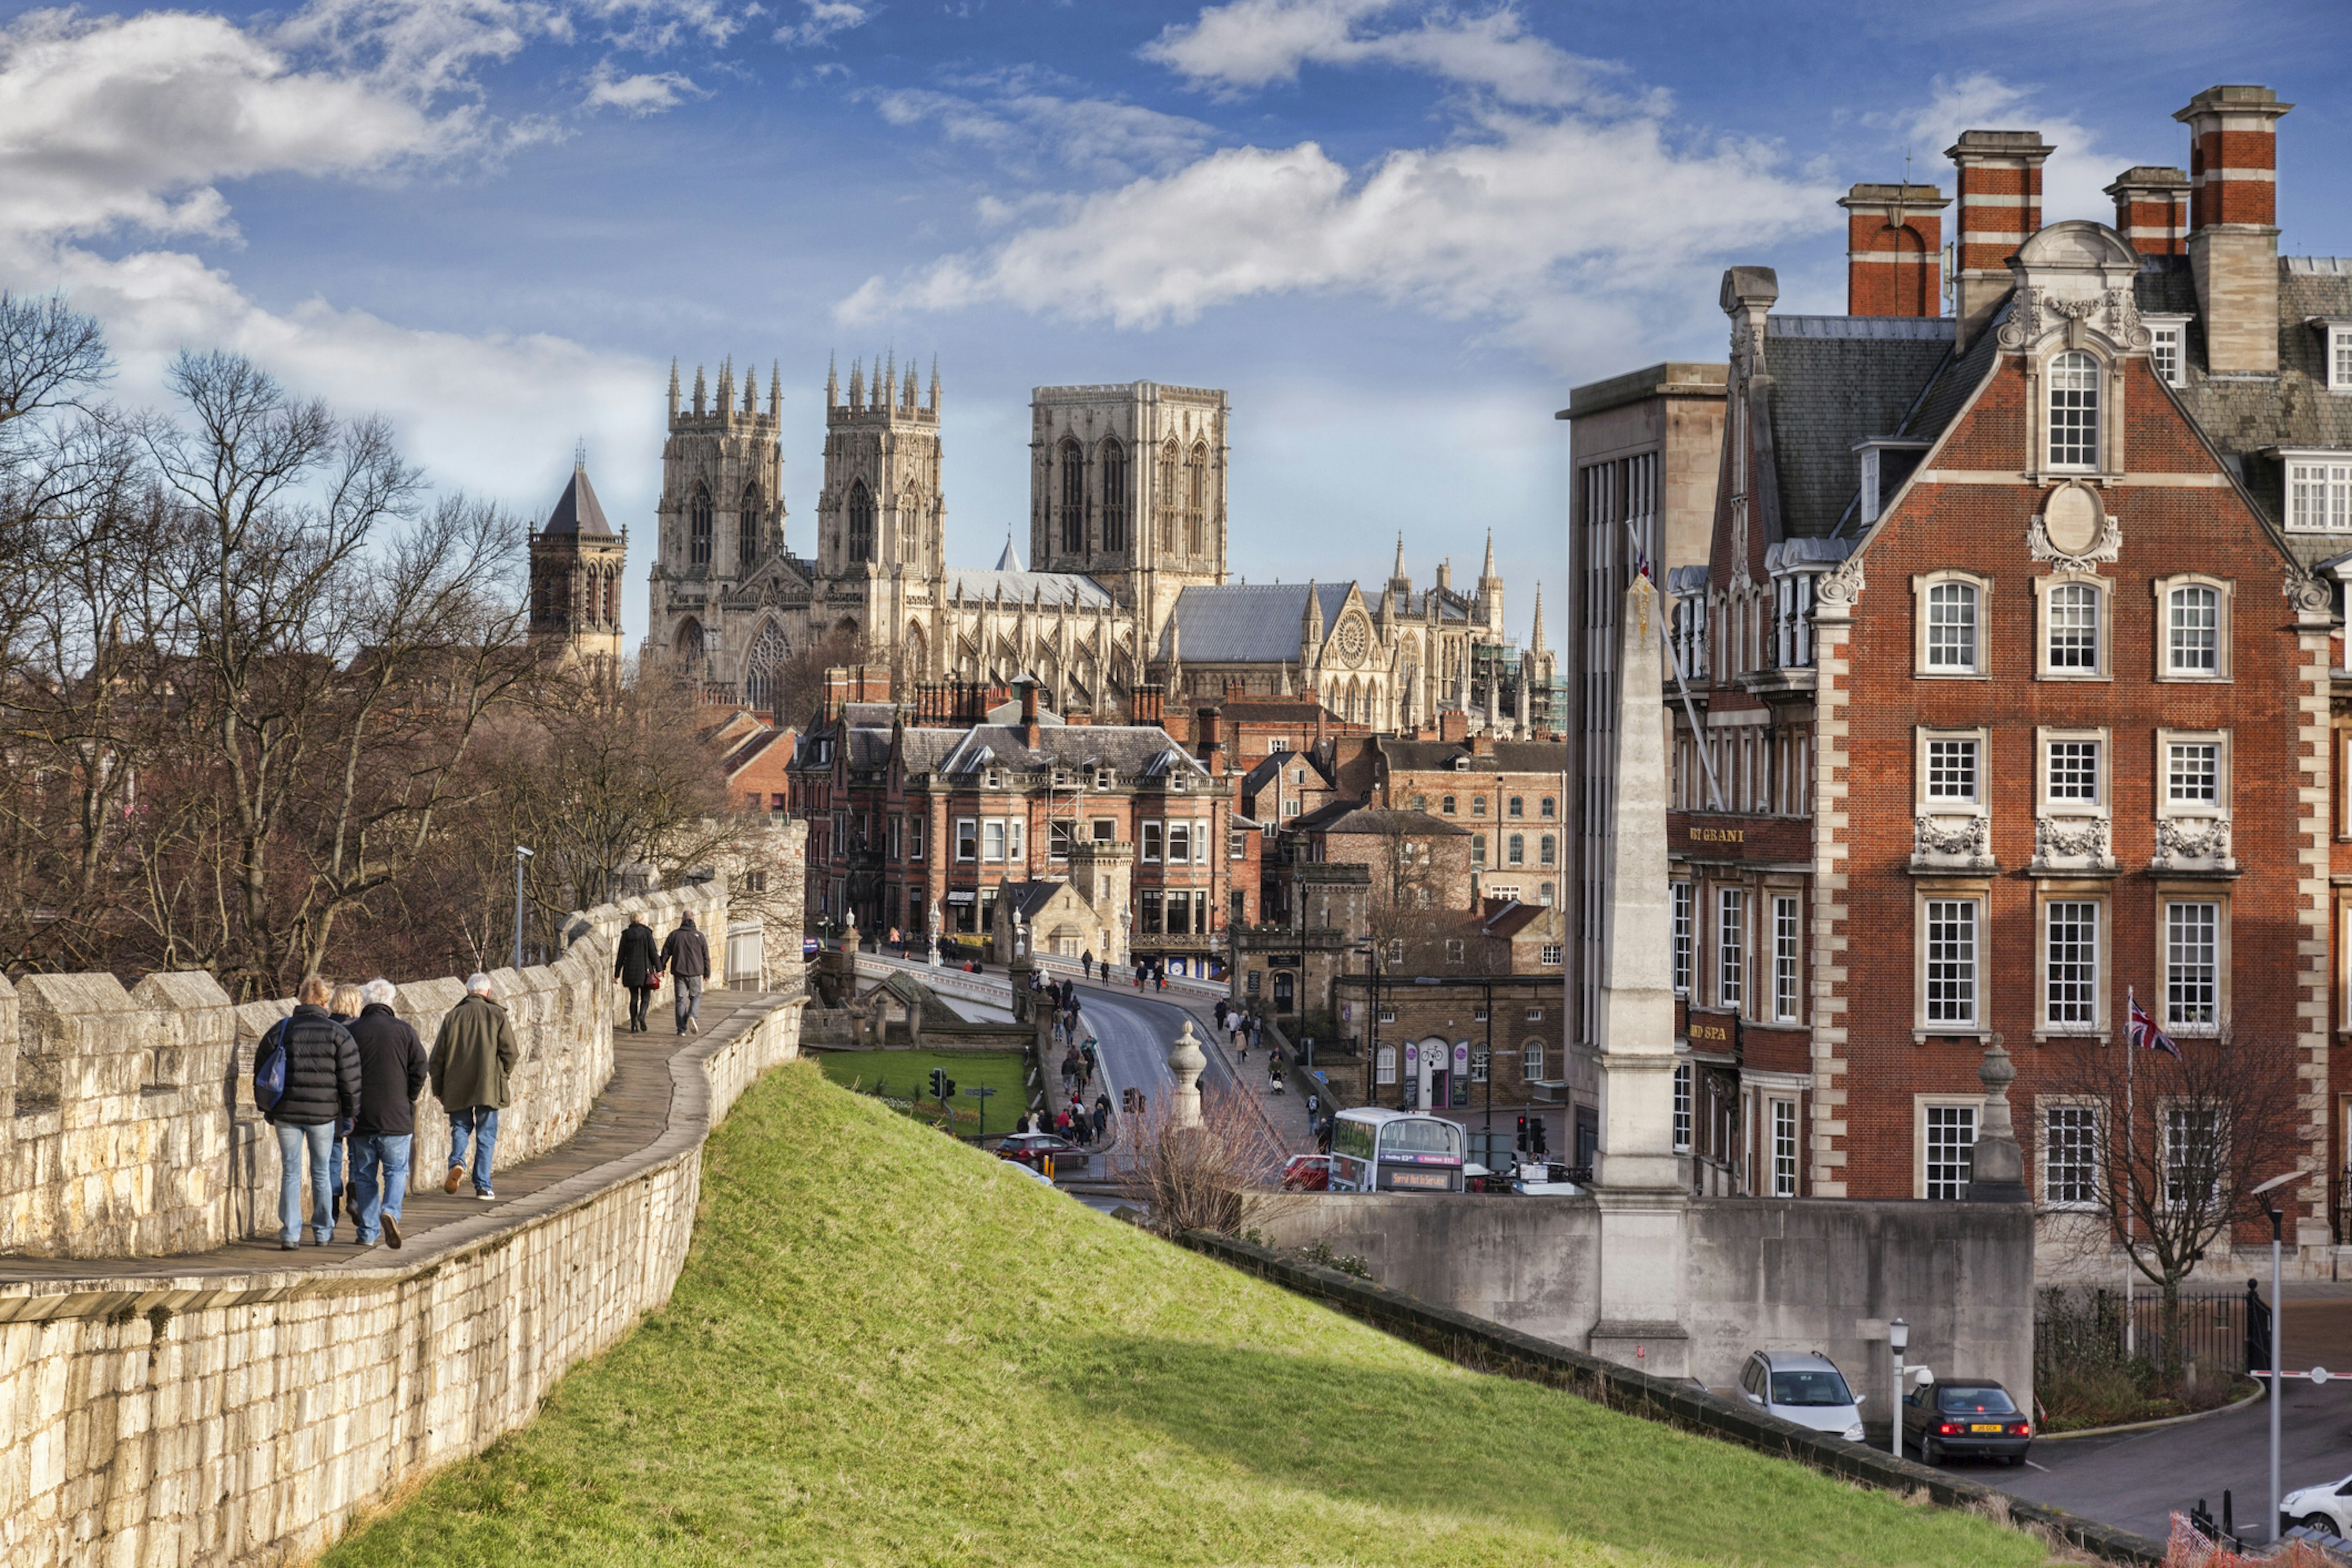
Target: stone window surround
2058, 889
2157, 323
1980, 890
2165, 806
2042, 1105
2110, 467
2170, 891
2103, 669
2162, 590
1920, 584
2289, 458
1919, 1107
2043, 735
1922, 806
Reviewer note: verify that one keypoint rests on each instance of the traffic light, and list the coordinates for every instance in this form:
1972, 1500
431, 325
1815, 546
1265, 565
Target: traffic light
1538, 1131
940, 1086
1522, 1144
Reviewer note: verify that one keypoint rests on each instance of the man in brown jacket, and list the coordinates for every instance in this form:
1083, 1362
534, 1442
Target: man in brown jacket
472, 1057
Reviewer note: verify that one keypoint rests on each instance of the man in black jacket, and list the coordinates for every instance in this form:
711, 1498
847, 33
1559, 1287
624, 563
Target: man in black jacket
392, 1075
635, 964
322, 1087
686, 956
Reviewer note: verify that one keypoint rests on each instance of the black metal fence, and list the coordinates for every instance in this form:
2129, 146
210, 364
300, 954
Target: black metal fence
2076, 1327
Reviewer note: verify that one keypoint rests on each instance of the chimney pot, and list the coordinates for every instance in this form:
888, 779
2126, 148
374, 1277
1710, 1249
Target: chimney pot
2000, 186
2152, 209
2232, 224
1894, 244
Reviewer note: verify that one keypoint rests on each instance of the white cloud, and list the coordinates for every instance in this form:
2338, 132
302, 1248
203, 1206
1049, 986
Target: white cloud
645, 94
1024, 127
1256, 43
2074, 181
1538, 222
822, 19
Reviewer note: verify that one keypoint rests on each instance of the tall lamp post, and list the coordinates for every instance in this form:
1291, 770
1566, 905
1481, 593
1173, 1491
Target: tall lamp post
1898, 1340
2278, 1322
521, 856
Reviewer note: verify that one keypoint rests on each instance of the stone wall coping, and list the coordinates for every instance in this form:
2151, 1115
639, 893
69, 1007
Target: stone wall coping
1489, 1346
129, 1292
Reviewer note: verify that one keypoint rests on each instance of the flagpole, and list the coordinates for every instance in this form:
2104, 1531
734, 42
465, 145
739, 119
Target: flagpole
2131, 1065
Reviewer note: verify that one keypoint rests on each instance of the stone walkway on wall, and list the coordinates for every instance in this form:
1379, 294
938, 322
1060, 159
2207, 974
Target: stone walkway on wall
631, 1113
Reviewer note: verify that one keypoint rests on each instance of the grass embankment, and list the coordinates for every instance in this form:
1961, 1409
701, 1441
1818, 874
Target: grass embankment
907, 1076
890, 1349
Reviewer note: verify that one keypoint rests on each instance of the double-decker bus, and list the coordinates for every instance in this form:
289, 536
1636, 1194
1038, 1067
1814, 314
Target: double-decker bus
1394, 1152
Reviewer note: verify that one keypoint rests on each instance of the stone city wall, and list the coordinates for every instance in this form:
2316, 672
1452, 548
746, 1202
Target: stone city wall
127, 1123
208, 1420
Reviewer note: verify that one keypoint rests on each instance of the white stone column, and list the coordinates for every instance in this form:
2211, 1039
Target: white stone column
1185, 1062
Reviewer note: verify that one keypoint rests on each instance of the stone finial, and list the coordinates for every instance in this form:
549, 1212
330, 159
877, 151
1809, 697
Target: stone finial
1997, 1174
1186, 1063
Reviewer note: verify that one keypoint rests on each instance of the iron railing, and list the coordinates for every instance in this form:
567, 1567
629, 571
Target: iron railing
2076, 1327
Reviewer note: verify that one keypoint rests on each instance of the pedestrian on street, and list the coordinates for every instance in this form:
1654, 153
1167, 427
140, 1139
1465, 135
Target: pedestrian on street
322, 1087
343, 1007
1062, 1123
1102, 1115
392, 1072
1314, 1106
1086, 961
473, 1058
1220, 1010
634, 965
1161, 974
686, 956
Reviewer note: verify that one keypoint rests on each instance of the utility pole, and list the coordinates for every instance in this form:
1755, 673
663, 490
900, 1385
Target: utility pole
521, 856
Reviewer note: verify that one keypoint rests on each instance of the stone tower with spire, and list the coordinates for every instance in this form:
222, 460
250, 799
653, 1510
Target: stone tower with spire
576, 562
721, 514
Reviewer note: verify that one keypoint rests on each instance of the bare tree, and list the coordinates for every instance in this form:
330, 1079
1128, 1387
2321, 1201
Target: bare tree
2180, 1150
1219, 1176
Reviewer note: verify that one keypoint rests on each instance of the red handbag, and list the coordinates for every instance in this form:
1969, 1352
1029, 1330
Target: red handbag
653, 980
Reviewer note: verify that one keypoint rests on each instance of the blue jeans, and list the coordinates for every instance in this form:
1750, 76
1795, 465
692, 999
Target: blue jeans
479, 1123
686, 999
294, 1144
379, 1176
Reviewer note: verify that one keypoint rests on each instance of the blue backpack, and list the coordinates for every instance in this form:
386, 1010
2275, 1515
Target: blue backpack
270, 1069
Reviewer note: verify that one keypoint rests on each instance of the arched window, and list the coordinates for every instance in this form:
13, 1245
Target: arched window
689, 639
2193, 631
2075, 411
1167, 498
763, 671
1385, 1064
1518, 849
1547, 851
1448, 805
861, 522
1196, 493
2074, 627
747, 527
1114, 494
1073, 499
1952, 626
612, 597
1531, 1061
1550, 806
698, 526
1477, 849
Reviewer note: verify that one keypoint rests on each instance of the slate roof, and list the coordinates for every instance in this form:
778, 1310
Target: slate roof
1836, 380
1509, 756
579, 512
1353, 817
1020, 587
1136, 750
1248, 623
1258, 777
744, 755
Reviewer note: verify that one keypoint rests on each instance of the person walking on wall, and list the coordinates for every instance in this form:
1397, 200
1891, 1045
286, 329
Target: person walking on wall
686, 956
343, 1007
473, 1058
393, 1073
322, 1087
633, 963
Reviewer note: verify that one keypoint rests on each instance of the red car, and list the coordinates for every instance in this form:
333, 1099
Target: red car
1033, 1149
1306, 1173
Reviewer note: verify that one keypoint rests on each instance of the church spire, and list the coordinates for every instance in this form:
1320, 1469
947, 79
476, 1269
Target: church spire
1396, 573
673, 388
1487, 571
1535, 637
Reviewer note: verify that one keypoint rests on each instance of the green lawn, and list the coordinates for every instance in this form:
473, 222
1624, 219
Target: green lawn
917, 1355
906, 1075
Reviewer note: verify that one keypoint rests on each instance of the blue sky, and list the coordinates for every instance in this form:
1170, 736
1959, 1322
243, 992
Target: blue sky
1396, 233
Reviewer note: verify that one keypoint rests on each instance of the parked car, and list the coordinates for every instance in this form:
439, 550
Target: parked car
1033, 1149
1965, 1418
2328, 1508
1306, 1173
1805, 1387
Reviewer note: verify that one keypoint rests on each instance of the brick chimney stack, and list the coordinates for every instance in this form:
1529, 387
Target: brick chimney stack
1209, 729
1893, 250
2233, 225
2000, 209
2152, 209
1148, 704
1028, 711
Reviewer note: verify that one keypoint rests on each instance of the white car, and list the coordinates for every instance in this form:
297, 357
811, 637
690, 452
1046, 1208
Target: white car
2328, 1508
1805, 1387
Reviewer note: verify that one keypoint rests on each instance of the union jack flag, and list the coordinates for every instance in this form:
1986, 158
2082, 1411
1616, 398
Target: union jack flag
2145, 1035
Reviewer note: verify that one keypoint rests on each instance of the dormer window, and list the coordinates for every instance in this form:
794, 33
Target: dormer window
2336, 350
2168, 348
2074, 411
2318, 491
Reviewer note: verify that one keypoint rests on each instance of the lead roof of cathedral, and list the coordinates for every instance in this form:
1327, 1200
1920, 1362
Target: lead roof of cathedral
578, 512
1135, 750
1020, 587
1248, 623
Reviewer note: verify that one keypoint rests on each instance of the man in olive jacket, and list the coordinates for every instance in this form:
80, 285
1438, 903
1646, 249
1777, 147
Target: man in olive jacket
472, 1056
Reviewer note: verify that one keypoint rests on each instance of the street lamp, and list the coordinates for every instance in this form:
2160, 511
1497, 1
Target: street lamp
522, 855
1898, 1340
2278, 1322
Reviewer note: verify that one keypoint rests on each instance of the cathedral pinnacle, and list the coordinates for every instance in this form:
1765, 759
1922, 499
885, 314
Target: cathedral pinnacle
1535, 637
1396, 573
699, 393
673, 388
1487, 573
831, 381
775, 390
935, 384
856, 383
750, 392
727, 384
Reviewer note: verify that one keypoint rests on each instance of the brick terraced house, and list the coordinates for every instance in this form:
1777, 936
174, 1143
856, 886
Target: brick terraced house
2007, 675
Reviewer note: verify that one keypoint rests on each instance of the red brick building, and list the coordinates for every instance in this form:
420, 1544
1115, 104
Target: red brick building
2007, 681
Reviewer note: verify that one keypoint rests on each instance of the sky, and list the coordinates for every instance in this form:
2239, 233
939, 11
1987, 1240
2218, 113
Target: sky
1396, 232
